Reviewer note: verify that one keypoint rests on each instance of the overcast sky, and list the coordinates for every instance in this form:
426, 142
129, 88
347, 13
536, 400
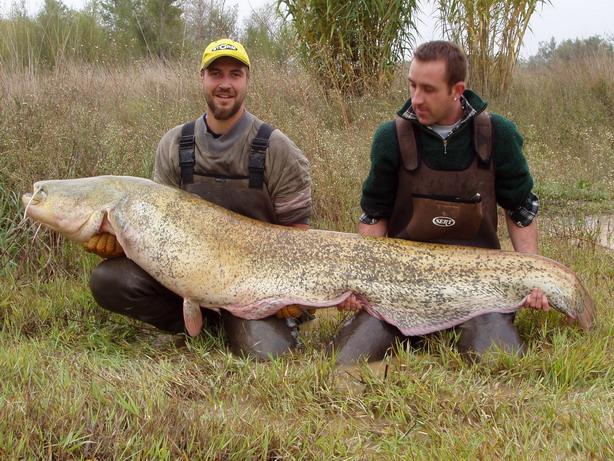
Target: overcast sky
563, 19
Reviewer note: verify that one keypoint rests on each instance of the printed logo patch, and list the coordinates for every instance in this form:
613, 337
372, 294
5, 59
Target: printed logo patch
443, 221
224, 46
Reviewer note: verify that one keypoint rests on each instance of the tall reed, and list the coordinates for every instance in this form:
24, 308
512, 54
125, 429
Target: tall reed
352, 45
491, 33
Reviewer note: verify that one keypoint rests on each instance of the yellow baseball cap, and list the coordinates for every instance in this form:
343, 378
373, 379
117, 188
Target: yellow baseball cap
223, 47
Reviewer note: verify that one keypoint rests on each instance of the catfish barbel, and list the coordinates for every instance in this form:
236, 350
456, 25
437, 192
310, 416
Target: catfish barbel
215, 258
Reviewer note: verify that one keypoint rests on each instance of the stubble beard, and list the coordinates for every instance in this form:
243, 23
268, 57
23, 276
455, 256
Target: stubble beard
222, 113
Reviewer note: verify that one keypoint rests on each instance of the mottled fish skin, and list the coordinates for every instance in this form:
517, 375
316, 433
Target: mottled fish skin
216, 258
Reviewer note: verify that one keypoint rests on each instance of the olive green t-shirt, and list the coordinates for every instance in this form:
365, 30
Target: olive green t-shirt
286, 173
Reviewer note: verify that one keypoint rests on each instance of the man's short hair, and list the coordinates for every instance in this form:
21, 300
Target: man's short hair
450, 53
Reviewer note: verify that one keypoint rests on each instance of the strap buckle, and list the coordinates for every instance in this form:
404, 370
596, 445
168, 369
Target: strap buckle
187, 159
256, 169
257, 155
186, 151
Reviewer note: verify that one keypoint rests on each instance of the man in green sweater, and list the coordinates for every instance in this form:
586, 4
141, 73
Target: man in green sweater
437, 174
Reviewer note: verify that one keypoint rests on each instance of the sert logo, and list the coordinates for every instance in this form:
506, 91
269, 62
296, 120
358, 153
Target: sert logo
443, 221
224, 46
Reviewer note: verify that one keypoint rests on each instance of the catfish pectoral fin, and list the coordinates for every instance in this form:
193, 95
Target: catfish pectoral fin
192, 316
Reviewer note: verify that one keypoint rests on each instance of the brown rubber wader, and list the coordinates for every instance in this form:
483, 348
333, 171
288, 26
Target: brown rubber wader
464, 212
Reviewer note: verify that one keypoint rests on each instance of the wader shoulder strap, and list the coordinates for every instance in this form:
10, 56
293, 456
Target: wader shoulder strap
407, 143
482, 138
257, 155
187, 158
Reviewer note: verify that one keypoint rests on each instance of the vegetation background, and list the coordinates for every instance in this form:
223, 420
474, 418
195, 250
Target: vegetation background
91, 92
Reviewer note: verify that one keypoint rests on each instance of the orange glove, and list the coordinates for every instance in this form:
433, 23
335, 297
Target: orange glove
292, 311
352, 303
104, 245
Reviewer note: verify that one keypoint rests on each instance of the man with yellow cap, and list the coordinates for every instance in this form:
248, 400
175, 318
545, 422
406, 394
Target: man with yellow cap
230, 157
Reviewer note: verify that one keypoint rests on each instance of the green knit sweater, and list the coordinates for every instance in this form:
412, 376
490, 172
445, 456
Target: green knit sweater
513, 181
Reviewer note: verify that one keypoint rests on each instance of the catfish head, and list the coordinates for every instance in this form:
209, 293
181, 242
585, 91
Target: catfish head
76, 208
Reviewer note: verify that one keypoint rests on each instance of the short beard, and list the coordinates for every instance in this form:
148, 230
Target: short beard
222, 114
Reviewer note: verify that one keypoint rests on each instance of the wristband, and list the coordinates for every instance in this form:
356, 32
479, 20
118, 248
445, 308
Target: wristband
369, 220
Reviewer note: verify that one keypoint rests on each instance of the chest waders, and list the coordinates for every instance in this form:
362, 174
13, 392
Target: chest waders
452, 207
446, 206
246, 194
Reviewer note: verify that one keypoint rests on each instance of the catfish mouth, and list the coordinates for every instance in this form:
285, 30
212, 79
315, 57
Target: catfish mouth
31, 200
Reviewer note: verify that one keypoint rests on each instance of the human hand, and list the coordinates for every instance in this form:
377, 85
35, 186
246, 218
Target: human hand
351, 303
293, 311
104, 245
537, 300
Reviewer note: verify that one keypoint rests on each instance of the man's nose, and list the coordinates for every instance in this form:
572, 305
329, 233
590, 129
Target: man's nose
224, 83
416, 97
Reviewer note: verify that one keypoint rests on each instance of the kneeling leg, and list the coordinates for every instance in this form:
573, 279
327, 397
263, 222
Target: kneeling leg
364, 336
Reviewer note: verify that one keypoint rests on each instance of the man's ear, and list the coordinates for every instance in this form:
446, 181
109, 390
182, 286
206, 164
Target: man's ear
459, 88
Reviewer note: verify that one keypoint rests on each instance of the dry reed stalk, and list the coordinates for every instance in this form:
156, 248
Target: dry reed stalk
491, 33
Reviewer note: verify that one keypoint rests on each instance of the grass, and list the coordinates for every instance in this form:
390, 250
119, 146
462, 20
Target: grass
77, 382
563, 113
